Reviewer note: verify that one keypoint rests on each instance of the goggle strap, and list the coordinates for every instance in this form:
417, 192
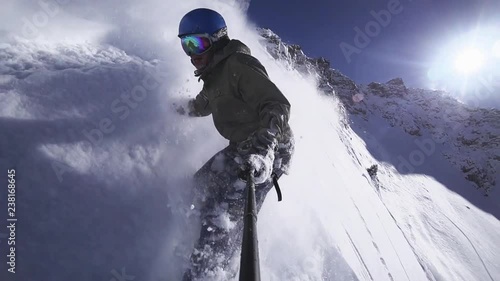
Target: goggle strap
219, 34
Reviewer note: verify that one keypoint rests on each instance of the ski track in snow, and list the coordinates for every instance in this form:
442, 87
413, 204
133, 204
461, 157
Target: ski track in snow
372, 239
472, 245
359, 256
430, 277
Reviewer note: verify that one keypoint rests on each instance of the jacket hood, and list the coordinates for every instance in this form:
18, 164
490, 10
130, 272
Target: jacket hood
232, 47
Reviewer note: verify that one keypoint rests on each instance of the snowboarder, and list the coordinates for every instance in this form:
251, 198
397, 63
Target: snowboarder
252, 113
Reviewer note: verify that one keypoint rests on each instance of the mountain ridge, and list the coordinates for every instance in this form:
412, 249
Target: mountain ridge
469, 136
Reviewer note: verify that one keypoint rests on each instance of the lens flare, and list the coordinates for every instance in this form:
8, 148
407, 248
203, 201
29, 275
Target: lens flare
469, 61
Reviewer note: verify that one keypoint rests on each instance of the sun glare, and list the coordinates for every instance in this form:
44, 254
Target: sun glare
469, 61
463, 64
496, 49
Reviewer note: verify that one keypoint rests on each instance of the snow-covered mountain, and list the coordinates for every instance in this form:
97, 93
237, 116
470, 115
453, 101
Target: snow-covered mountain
103, 162
469, 138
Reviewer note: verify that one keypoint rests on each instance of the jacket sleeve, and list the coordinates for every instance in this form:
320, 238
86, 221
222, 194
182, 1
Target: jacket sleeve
199, 106
261, 93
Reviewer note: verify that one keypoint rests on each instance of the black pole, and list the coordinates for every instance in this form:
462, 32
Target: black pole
249, 264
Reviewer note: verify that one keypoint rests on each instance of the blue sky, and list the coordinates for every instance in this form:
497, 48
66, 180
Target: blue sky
406, 47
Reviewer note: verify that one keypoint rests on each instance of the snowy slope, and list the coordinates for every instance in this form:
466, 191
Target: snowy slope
103, 165
469, 137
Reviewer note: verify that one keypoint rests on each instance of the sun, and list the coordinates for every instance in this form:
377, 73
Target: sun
465, 65
469, 61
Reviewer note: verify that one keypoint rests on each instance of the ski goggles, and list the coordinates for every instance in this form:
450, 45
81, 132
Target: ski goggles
196, 44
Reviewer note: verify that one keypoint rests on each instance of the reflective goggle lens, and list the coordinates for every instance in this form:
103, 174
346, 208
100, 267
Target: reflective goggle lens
195, 44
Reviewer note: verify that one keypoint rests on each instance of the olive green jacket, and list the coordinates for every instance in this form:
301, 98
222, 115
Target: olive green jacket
239, 95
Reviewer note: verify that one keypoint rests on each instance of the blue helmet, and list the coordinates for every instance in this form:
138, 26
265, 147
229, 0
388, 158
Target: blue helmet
202, 21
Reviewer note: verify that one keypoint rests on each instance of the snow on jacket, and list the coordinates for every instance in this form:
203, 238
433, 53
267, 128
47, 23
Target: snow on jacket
240, 96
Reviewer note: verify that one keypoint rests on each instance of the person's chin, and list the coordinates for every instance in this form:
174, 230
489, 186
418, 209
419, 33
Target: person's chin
198, 63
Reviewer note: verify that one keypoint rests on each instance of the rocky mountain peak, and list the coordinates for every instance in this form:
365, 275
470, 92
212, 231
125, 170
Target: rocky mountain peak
470, 136
396, 82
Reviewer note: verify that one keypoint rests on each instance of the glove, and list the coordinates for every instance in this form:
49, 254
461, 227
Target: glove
260, 164
188, 108
257, 153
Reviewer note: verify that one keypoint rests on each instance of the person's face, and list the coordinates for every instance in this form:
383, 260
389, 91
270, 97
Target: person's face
200, 61
197, 46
